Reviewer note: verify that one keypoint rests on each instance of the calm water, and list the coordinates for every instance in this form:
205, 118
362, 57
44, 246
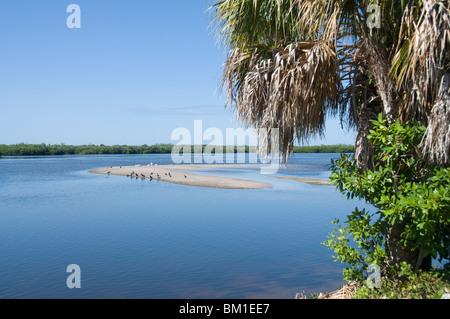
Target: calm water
141, 239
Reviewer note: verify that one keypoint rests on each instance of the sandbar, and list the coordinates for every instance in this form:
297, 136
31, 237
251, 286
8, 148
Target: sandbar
179, 174
312, 181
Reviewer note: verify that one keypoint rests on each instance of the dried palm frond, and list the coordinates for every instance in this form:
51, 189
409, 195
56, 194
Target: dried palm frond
346, 292
292, 91
421, 68
293, 63
436, 142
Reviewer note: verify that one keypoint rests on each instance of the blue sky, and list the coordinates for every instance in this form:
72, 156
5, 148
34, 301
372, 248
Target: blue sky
135, 71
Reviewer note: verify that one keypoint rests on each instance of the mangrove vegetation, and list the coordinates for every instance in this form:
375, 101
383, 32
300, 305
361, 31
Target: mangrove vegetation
62, 149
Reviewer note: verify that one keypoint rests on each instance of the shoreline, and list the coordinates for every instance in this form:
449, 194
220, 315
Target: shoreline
311, 181
179, 174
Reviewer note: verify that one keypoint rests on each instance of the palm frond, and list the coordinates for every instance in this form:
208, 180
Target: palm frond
292, 91
293, 63
421, 68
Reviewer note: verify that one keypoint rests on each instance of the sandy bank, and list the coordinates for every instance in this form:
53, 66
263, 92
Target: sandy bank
312, 181
179, 174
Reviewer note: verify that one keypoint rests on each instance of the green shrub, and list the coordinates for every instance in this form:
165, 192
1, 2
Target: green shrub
409, 285
412, 208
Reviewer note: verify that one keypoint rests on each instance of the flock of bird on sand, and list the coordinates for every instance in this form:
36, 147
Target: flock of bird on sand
136, 175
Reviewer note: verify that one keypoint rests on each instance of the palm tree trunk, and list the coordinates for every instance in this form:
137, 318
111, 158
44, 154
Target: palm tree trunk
398, 253
378, 68
363, 149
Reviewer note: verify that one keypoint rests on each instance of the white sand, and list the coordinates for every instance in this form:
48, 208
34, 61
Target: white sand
179, 174
312, 181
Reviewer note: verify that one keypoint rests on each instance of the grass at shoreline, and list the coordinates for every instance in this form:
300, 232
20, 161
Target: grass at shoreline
62, 149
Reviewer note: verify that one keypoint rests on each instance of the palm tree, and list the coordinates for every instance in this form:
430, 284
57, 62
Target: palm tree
293, 63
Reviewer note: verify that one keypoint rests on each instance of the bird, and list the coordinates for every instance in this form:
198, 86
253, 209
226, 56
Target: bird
185, 176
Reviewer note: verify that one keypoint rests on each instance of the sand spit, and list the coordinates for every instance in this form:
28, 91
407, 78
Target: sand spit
312, 181
179, 174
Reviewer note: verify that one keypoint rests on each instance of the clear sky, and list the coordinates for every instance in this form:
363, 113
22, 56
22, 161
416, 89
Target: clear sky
135, 71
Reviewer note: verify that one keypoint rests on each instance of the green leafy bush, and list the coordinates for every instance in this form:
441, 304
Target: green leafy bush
412, 201
408, 285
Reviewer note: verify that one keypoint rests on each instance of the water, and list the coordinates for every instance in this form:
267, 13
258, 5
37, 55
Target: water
141, 239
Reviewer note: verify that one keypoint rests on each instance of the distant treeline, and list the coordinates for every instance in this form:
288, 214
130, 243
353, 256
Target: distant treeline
62, 149
340, 148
